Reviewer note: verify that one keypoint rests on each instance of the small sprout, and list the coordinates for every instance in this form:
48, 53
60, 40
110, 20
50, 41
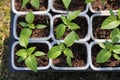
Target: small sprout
34, 3
67, 23
56, 51
29, 56
108, 49
66, 3
28, 27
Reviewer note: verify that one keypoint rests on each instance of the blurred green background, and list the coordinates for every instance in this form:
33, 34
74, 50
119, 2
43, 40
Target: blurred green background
6, 74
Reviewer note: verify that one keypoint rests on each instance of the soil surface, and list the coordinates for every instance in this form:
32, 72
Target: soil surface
81, 21
37, 33
79, 60
42, 61
97, 5
74, 5
110, 63
97, 32
29, 7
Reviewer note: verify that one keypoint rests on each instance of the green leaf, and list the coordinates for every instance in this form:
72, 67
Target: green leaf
116, 49
116, 56
73, 15
41, 26
23, 24
101, 45
29, 17
119, 14
108, 45
60, 30
103, 1
65, 20
103, 56
31, 26
35, 3
112, 14
62, 46
115, 35
31, 50
89, 1
22, 53
20, 59
69, 62
54, 52
39, 53
73, 26
68, 52
24, 37
70, 38
31, 62
110, 23
24, 2
66, 3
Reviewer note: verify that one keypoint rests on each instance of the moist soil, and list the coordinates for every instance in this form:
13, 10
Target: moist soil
29, 7
79, 60
97, 32
74, 5
110, 63
97, 5
37, 33
81, 21
42, 61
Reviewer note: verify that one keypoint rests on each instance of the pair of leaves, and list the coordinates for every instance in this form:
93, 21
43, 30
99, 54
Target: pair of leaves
30, 59
56, 51
34, 3
66, 3
112, 21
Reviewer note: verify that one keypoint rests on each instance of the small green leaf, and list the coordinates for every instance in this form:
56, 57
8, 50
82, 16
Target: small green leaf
23, 24
24, 37
31, 62
29, 17
20, 59
110, 23
68, 52
70, 38
31, 50
24, 2
39, 53
103, 56
69, 62
62, 46
22, 53
116, 49
108, 45
60, 30
112, 14
41, 26
31, 26
89, 1
116, 56
119, 14
73, 15
54, 52
35, 3
73, 26
101, 45
66, 3
103, 1
65, 20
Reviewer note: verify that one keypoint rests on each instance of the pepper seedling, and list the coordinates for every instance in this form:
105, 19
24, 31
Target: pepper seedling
67, 23
56, 51
66, 3
29, 57
34, 3
28, 27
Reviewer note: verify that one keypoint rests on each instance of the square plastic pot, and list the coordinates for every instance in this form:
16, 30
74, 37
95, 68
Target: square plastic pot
42, 38
26, 68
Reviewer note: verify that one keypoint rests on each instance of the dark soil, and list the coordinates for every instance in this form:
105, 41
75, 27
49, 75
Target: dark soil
79, 60
109, 4
29, 7
42, 61
37, 33
110, 63
81, 21
97, 32
74, 5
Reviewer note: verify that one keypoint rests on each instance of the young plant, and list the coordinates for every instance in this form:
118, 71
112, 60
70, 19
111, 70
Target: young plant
67, 23
34, 3
29, 57
66, 3
56, 51
28, 27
